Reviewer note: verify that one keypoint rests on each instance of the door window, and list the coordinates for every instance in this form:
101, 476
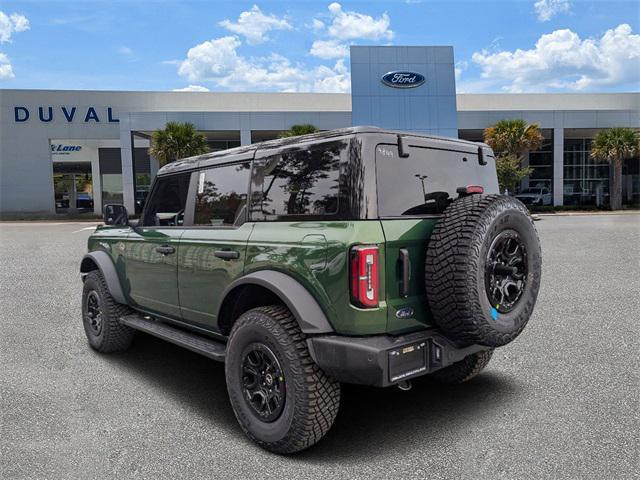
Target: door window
221, 195
167, 203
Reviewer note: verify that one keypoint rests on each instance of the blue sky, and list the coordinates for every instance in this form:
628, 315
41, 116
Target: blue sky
500, 46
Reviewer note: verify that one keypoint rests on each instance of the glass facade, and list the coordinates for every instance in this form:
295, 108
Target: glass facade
631, 182
541, 161
73, 187
586, 181
217, 145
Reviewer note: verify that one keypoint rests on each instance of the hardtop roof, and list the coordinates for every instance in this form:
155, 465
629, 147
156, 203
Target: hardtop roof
193, 162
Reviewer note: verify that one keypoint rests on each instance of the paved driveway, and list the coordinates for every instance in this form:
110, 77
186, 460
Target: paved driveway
559, 402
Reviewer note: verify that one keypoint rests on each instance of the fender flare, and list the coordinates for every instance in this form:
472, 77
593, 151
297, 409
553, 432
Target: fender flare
297, 298
108, 270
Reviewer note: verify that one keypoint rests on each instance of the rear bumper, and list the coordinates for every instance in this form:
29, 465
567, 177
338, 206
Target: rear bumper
384, 360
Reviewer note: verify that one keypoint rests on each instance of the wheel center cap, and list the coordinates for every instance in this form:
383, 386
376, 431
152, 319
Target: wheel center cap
268, 378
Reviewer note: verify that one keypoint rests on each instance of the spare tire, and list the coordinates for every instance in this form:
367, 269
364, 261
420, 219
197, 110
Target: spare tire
483, 268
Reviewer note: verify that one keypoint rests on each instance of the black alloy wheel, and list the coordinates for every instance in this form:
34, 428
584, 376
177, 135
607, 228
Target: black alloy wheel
263, 382
506, 271
93, 312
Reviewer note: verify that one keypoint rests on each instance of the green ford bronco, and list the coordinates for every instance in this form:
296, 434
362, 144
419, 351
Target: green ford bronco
356, 255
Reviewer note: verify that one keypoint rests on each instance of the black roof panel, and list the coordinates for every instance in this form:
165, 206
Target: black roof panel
210, 158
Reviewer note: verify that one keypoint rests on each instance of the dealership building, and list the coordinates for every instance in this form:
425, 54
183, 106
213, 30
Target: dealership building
74, 151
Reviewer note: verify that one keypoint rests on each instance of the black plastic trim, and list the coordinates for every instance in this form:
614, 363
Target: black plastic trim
108, 270
297, 298
365, 360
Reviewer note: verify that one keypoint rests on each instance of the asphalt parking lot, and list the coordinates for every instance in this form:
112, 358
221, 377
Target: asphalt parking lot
562, 401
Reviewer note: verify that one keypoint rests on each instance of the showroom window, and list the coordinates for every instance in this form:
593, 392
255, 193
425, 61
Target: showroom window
541, 161
586, 181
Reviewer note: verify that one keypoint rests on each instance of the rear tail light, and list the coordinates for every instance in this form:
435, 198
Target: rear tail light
365, 291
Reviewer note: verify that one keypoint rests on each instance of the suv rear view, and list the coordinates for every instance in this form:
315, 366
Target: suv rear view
351, 256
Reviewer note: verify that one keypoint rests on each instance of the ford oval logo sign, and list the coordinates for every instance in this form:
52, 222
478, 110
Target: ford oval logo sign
401, 79
404, 312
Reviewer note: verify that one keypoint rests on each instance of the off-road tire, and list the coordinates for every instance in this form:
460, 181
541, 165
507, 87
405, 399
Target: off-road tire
312, 398
456, 259
113, 335
464, 370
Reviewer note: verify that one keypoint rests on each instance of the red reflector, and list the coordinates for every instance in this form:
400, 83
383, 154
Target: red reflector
475, 189
364, 276
470, 189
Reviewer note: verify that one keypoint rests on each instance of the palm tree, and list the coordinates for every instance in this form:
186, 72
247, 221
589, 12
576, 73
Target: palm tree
301, 129
511, 140
175, 141
510, 172
614, 146
514, 137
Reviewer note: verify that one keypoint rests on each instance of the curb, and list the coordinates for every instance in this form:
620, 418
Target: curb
570, 214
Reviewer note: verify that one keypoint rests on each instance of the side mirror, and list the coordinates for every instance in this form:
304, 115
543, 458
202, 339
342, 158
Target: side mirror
115, 215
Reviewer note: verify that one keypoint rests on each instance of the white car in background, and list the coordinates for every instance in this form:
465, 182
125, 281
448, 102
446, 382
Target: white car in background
535, 196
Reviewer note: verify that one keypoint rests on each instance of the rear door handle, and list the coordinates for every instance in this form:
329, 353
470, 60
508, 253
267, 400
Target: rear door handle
227, 254
166, 249
405, 272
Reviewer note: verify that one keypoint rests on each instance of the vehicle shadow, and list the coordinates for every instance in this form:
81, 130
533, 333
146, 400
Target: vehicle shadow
388, 422
371, 420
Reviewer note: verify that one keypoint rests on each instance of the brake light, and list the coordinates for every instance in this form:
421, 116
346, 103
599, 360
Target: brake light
364, 276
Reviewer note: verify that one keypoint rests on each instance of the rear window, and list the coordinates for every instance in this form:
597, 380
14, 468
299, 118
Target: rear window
425, 182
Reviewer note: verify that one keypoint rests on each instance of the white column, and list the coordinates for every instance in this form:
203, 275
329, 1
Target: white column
154, 166
525, 163
126, 157
245, 137
96, 184
558, 166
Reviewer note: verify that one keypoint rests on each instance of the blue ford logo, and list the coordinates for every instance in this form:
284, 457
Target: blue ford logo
401, 79
404, 312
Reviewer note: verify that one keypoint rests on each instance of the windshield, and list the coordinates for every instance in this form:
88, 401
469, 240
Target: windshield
425, 182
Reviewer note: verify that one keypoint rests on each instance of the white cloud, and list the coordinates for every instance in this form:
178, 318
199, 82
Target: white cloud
547, 9
192, 88
332, 80
6, 70
210, 59
219, 62
254, 25
125, 51
460, 67
561, 60
10, 24
329, 49
347, 25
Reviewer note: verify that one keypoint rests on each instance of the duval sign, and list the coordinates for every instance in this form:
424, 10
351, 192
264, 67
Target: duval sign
403, 79
66, 113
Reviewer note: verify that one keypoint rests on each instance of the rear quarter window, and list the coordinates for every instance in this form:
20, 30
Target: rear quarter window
425, 182
298, 183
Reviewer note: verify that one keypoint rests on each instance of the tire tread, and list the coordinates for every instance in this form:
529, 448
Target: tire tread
316, 411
